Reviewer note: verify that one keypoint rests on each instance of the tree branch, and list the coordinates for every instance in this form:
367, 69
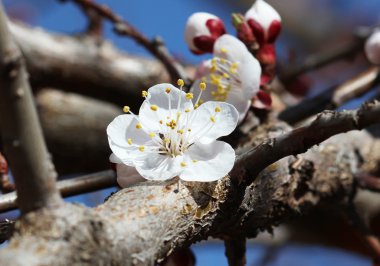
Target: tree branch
69, 187
332, 97
21, 133
144, 223
102, 71
156, 46
235, 251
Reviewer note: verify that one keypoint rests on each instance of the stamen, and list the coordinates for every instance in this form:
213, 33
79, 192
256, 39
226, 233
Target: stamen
138, 126
183, 164
129, 141
212, 119
126, 109
189, 96
223, 50
195, 161
168, 90
218, 109
144, 94
180, 82
154, 107
152, 135
141, 148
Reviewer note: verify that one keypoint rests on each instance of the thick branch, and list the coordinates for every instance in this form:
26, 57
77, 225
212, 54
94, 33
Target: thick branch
327, 124
81, 64
144, 223
21, 133
235, 251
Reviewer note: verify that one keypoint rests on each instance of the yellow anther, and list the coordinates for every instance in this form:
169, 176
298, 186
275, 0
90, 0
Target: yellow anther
180, 82
202, 86
189, 130
222, 60
126, 109
129, 141
167, 140
213, 68
187, 110
194, 161
214, 60
201, 101
189, 96
138, 126
234, 65
154, 107
203, 79
180, 131
223, 50
196, 106
144, 93
168, 90
141, 148
218, 109
161, 122
152, 135
225, 75
212, 119
183, 164
213, 93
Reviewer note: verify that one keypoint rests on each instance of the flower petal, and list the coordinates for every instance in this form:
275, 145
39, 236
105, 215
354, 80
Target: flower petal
154, 166
230, 48
127, 175
158, 96
250, 76
204, 130
210, 162
119, 131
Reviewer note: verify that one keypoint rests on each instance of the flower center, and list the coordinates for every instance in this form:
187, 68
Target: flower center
175, 134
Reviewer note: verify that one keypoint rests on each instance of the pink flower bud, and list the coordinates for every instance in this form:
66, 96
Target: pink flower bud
372, 48
262, 100
202, 29
266, 54
264, 21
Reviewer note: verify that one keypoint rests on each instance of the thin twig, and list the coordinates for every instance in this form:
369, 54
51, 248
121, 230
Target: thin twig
69, 187
235, 251
21, 133
324, 58
299, 140
333, 97
156, 46
95, 25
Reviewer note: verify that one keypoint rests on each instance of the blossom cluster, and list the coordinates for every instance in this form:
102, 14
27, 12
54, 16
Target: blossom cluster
175, 132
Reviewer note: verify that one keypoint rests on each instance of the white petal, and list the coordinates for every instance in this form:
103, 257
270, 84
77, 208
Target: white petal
249, 73
196, 26
262, 13
158, 96
127, 175
122, 128
204, 130
230, 48
158, 167
213, 161
372, 47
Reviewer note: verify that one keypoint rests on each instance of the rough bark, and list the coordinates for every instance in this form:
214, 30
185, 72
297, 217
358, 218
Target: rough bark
144, 223
21, 133
52, 61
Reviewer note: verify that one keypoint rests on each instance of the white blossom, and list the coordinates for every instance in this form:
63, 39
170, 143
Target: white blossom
233, 75
201, 31
372, 48
171, 136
